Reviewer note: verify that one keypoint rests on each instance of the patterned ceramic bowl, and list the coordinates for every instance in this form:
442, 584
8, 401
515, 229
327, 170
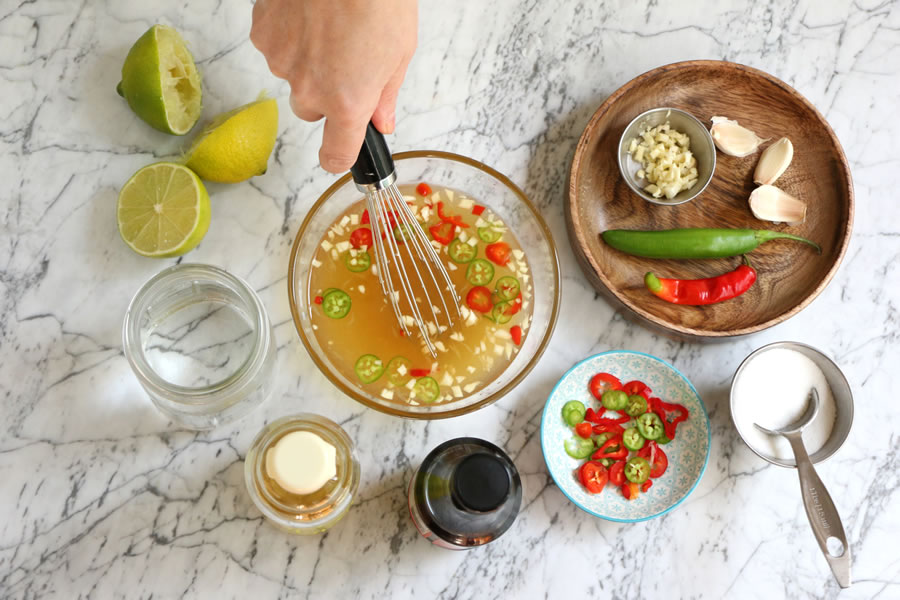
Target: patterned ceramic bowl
688, 453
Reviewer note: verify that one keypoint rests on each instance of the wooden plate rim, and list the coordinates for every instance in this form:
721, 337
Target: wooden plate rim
578, 237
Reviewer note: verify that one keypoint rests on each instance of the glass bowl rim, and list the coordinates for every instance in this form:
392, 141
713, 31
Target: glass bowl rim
432, 414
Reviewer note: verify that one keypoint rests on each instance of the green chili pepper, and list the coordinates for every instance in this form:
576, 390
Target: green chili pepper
614, 400
573, 412
637, 405
695, 242
633, 439
637, 470
650, 426
369, 368
578, 447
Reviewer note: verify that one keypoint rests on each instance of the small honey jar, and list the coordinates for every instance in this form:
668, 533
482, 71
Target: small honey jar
302, 473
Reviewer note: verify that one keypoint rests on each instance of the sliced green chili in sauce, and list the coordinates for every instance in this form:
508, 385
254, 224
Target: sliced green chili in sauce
336, 303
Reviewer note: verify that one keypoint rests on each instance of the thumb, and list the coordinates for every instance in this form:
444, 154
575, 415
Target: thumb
341, 140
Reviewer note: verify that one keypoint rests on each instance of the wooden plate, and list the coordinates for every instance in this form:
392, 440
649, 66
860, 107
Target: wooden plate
791, 274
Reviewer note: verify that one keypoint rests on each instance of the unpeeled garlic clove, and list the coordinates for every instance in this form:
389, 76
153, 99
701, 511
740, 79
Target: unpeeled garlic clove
732, 138
773, 161
772, 204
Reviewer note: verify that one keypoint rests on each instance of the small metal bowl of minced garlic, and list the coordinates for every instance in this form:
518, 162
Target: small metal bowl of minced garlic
667, 156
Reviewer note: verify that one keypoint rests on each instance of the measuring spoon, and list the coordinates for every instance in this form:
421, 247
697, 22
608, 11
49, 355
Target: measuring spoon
820, 509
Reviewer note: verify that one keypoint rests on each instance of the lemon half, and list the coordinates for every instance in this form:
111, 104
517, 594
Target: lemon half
163, 210
236, 145
161, 82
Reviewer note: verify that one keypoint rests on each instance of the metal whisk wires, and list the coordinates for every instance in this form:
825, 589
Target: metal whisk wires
409, 268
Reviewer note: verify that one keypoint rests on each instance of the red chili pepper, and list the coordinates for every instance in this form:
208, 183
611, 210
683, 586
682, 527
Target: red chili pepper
593, 477
455, 219
670, 414
423, 189
594, 417
515, 332
364, 220
646, 485
498, 253
602, 382
318, 300
419, 372
658, 460
479, 299
630, 490
637, 388
612, 448
443, 232
681, 412
608, 428
667, 428
514, 306
617, 473
360, 237
477, 210
697, 292
583, 429
604, 424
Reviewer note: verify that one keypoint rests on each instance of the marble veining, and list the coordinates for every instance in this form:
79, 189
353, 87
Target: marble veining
101, 497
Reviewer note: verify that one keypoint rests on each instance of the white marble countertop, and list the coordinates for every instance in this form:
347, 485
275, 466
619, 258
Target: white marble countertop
102, 497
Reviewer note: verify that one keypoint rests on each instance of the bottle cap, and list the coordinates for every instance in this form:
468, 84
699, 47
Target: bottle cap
480, 483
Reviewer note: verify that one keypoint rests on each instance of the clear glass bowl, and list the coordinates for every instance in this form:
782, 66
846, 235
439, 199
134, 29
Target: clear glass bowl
488, 187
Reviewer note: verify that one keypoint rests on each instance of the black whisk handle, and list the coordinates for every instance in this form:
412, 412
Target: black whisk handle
374, 163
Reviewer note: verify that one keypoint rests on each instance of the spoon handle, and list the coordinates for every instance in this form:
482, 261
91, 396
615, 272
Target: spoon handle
821, 512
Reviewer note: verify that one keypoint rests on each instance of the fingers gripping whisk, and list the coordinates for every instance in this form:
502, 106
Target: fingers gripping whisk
412, 277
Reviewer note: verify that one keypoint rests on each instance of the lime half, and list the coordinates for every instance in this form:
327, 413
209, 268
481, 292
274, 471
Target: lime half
163, 210
236, 145
161, 82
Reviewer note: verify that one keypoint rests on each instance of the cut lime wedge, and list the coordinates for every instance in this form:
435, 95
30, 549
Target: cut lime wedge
161, 82
163, 210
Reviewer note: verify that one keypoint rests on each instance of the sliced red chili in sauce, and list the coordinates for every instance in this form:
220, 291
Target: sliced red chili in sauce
516, 333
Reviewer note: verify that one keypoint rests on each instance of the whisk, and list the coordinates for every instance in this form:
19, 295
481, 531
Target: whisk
404, 256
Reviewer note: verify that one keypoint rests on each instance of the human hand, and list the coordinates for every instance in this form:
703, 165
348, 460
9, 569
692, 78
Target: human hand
345, 61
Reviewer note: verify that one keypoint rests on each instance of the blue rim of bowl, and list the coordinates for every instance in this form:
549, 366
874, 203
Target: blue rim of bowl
702, 407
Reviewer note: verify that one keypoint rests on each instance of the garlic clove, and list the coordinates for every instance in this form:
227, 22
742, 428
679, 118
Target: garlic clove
732, 138
769, 203
773, 161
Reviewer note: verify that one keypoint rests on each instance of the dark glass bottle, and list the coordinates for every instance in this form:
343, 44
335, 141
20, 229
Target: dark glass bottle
466, 493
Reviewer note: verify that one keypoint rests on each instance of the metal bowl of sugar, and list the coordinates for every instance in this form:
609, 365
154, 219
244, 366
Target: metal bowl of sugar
771, 388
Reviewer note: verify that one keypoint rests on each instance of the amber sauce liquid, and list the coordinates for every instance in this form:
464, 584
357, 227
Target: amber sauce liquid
371, 327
